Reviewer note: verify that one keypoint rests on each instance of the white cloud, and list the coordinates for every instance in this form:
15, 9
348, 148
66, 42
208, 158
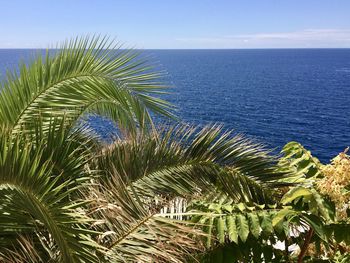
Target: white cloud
298, 39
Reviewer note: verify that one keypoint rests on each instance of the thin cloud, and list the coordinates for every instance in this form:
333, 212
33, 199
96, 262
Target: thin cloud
305, 38
308, 34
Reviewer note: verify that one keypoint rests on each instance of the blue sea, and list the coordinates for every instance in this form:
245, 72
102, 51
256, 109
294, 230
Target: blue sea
272, 95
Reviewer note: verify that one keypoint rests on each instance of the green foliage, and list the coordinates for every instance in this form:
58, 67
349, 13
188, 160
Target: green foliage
183, 161
251, 251
130, 231
308, 199
239, 232
340, 232
47, 162
83, 75
226, 221
341, 258
36, 197
233, 227
178, 194
300, 161
65, 197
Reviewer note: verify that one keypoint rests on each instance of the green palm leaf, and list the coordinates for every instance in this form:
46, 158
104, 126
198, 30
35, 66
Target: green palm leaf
184, 162
133, 233
83, 75
36, 198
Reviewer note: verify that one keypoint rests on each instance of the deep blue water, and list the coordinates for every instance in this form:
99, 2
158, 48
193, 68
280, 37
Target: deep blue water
272, 95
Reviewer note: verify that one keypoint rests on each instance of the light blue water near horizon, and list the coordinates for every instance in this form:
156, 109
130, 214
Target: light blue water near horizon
272, 95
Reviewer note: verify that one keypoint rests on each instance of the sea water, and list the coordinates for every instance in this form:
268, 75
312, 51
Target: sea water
272, 95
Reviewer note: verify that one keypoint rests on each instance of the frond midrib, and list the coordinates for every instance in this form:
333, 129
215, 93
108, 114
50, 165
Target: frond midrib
48, 89
50, 223
131, 230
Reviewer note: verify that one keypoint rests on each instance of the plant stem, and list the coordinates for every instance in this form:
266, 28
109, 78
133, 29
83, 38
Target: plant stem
286, 251
305, 245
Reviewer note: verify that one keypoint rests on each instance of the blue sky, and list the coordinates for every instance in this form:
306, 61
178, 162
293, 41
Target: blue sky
180, 23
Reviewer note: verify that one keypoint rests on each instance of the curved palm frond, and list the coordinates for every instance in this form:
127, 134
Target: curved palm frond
132, 232
84, 75
36, 197
184, 162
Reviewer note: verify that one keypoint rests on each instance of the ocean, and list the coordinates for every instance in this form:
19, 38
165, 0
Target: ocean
272, 95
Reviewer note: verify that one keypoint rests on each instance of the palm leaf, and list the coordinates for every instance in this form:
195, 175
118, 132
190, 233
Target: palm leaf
131, 231
83, 75
181, 162
23, 251
35, 197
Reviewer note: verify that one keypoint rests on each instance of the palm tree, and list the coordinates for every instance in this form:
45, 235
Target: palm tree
67, 197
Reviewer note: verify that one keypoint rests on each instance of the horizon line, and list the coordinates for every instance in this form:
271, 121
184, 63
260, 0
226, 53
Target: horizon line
256, 48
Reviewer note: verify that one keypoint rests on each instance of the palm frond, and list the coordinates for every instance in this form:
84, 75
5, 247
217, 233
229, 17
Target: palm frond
35, 197
22, 251
132, 232
83, 75
181, 162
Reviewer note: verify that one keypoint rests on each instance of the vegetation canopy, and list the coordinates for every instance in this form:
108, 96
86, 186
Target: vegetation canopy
174, 193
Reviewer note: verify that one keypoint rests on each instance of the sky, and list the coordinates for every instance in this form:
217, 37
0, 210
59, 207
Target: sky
180, 24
